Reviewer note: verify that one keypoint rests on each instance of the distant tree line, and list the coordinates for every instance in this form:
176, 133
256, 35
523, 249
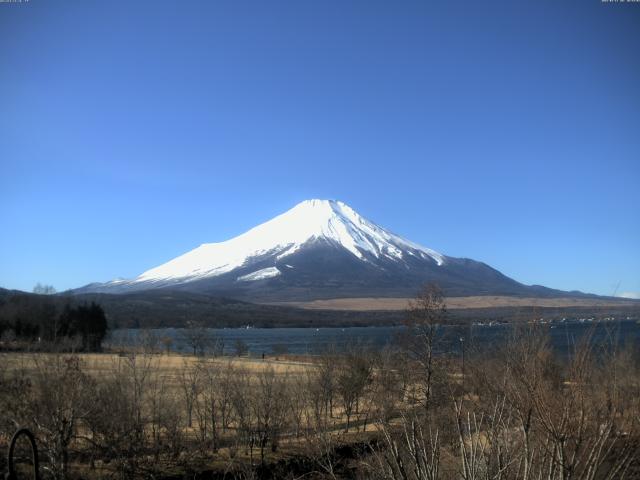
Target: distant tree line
43, 320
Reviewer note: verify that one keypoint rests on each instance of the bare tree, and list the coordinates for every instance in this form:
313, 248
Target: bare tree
241, 394
167, 343
226, 378
390, 383
120, 417
353, 374
213, 404
241, 348
59, 402
199, 338
298, 398
148, 340
323, 383
411, 453
319, 436
425, 314
269, 408
190, 387
41, 289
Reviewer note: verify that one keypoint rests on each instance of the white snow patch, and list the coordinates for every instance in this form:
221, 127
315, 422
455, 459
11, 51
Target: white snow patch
260, 275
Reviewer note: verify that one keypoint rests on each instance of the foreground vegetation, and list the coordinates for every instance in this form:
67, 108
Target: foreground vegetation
516, 413
511, 411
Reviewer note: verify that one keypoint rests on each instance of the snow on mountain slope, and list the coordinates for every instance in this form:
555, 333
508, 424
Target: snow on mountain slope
284, 235
261, 274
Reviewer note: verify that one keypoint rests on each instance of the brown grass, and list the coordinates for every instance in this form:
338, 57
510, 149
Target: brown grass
481, 301
170, 365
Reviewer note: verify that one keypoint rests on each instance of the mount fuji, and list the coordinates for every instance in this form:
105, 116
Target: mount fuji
319, 249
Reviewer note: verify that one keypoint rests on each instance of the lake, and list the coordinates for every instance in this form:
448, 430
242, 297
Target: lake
563, 335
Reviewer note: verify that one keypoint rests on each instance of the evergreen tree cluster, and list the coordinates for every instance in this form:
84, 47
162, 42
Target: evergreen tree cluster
85, 321
40, 319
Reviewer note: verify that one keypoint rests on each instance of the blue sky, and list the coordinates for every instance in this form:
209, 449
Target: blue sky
504, 131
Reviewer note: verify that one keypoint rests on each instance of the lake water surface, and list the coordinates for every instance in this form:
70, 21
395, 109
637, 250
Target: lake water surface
563, 336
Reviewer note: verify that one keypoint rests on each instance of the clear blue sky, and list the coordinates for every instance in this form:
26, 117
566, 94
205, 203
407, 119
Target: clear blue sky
504, 131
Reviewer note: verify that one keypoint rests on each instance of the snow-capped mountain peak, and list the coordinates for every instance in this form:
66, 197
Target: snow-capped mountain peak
318, 249
312, 220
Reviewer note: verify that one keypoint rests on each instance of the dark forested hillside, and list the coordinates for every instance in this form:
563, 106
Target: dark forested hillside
165, 308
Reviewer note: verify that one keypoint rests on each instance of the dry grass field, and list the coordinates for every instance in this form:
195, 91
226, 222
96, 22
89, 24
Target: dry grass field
170, 365
453, 303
